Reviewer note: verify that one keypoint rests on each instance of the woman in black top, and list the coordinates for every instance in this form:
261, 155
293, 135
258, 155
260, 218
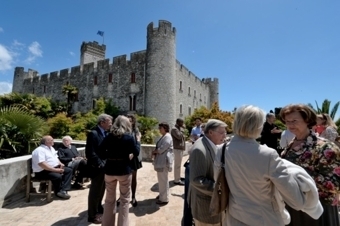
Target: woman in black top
118, 148
136, 160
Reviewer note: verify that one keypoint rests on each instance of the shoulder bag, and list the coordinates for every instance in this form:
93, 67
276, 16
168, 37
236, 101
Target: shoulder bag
220, 197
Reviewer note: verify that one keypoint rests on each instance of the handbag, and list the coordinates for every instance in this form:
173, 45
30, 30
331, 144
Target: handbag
220, 197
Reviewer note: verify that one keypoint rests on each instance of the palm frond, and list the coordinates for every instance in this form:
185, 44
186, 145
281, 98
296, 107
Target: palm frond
334, 110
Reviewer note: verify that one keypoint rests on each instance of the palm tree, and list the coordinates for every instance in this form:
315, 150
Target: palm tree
326, 108
20, 129
71, 93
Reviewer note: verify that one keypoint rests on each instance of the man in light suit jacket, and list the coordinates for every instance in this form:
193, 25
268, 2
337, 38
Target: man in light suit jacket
97, 189
202, 172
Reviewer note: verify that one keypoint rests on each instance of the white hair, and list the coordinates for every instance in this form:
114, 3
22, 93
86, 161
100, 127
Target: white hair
248, 121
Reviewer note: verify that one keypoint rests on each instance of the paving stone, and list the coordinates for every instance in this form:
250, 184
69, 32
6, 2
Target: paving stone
73, 212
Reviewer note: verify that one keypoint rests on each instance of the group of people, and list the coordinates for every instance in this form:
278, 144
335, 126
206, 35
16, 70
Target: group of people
298, 186
59, 166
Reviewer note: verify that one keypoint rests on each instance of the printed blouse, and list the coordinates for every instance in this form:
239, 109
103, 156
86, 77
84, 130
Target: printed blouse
321, 159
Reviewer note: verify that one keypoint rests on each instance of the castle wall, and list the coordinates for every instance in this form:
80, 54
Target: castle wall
199, 94
118, 90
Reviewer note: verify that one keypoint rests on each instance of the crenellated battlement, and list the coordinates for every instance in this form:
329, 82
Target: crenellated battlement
92, 45
103, 64
164, 27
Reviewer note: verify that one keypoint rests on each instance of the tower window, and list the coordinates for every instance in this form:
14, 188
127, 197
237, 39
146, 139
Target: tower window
76, 97
180, 109
133, 78
189, 110
95, 80
180, 85
44, 89
110, 78
200, 97
94, 104
189, 90
194, 93
132, 102
33, 90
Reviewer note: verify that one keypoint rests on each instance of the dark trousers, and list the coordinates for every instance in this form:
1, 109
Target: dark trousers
96, 193
79, 167
61, 182
187, 216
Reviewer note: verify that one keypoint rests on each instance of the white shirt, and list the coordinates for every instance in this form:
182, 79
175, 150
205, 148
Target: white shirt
286, 138
44, 154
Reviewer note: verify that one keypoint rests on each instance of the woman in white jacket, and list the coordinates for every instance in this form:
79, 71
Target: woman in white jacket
256, 175
163, 162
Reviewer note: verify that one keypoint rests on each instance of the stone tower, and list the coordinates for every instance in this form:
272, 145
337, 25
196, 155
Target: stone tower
213, 90
91, 52
160, 96
19, 76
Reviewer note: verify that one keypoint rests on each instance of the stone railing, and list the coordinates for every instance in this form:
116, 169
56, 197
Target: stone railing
13, 172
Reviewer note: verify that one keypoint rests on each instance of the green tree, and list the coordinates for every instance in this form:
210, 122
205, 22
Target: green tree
39, 106
147, 128
214, 113
326, 108
71, 93
111, 109
100, 106
20, 130
60, 125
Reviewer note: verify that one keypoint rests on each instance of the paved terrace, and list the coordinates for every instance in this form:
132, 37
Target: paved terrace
74, 211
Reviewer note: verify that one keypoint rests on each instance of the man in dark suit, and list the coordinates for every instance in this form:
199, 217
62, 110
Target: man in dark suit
96, 165
70, 157
201, 173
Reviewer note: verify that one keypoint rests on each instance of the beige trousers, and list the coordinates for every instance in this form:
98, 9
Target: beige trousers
110, 206
178, 154
163, 185
199, 223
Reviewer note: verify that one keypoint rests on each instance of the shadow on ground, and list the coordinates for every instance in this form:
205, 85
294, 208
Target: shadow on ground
80, 220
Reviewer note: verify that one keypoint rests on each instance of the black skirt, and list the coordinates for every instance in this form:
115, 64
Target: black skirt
330, 217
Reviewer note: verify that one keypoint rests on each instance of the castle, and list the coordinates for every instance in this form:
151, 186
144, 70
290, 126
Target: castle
151, 83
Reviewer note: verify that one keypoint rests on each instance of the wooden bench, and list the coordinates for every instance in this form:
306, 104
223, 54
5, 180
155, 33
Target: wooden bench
31, 180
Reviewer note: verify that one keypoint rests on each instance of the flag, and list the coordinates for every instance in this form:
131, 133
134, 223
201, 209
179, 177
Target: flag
101, 33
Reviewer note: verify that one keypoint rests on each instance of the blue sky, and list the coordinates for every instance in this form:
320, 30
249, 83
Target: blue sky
267, 53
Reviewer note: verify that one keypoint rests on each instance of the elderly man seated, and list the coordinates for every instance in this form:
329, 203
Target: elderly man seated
69, 156
46, 166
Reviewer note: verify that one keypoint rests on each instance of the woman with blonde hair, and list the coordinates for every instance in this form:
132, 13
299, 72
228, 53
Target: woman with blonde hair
258, 178
329, 129
118, 148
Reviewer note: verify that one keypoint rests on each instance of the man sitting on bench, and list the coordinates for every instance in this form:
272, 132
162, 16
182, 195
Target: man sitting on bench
70, 157
46, 166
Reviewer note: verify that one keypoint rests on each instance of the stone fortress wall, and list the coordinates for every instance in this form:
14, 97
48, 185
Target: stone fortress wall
152, 82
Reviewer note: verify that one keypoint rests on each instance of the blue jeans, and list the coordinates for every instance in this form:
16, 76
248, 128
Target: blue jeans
187, 216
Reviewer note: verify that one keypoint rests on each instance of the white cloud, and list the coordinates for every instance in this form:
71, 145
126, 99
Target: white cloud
1, 29
72, 53
6, 58
5, 87
35, 51
17, 44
